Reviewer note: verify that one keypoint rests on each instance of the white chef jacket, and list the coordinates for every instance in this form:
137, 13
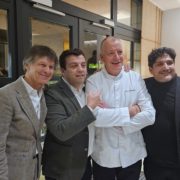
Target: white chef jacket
115, 139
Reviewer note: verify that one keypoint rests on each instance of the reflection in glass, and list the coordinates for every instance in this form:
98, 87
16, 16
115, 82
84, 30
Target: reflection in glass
124, 12
91, 48
52, 35
5, 62
129, 12
126, 51
98, 6
137, 51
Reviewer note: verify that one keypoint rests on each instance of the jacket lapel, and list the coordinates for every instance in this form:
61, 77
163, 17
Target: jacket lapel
43, 110
67, 91
177, 114
26, 105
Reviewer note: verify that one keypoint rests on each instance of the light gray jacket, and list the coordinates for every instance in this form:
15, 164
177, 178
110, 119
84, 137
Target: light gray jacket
19, 133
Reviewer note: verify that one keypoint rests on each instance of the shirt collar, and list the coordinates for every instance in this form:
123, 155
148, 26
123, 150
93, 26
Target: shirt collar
109, 76
72, 87
31, 90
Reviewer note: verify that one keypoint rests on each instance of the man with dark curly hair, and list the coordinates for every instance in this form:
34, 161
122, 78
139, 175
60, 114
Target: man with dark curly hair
70, 111
163, 138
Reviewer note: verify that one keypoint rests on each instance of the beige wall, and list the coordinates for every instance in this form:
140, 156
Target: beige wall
151, 33
170, 33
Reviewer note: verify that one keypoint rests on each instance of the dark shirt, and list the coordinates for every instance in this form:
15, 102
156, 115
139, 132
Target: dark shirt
160, 138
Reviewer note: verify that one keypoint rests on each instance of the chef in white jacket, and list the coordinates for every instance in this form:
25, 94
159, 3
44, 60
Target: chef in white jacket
116, 144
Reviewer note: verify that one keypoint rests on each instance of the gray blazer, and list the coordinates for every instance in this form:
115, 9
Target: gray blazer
66, 142
19, 133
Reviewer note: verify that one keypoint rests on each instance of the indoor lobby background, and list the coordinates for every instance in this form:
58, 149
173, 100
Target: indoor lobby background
62, 24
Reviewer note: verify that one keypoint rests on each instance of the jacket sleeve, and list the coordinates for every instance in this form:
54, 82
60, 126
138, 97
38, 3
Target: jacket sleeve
109, 117
6, 115
63, 119
147, 115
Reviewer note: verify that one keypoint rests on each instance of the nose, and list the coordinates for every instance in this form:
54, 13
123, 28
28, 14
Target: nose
48, 69
80, 68
116, 55
166, 65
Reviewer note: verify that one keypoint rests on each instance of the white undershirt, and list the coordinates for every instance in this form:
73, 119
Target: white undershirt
35, 97
79, 94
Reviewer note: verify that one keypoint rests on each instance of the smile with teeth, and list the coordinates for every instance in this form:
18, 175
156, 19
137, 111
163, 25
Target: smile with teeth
165, 72
44, 76
115, 62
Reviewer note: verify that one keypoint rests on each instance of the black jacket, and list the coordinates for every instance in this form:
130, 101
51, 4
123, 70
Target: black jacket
150, 131
66, 141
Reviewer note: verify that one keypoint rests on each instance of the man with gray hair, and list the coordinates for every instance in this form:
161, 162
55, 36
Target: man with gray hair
116, 144
22, 113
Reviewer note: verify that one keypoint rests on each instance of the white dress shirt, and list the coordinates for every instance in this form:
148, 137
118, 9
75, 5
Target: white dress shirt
35, 97
79, 94
115, 139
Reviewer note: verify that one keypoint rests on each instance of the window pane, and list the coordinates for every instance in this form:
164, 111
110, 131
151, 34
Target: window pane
53, 35
98, 6
91, 48
137, 51
124, 12
130, 13
126, 51
5, 62
136, 17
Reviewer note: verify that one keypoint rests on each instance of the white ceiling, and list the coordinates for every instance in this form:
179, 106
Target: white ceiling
166, 4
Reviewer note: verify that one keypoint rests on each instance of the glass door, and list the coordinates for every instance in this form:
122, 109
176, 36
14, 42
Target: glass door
5, 69
45, 26
54, 35
8, 65
91, 35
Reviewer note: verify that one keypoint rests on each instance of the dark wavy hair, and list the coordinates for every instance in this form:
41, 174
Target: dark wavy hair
67, 53
159, 52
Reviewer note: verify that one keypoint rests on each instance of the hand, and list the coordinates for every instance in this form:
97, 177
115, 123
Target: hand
93, 99
127, 67
134, 109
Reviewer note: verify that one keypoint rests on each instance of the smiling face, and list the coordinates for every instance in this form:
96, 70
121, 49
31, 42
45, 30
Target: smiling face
163, 69
39, 72
112, 55
75, 71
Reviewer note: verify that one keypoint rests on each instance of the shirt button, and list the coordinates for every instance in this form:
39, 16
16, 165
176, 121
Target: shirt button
85, 149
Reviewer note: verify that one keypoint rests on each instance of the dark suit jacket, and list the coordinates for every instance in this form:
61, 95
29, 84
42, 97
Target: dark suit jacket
19, 133
147, 131
65, 147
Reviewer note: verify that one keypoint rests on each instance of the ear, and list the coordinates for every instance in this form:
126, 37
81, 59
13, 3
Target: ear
26, 67
62, 70
150, 70
101, 57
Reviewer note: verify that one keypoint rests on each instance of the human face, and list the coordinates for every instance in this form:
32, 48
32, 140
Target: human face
112, 56
75, 72
39, 72
163, 69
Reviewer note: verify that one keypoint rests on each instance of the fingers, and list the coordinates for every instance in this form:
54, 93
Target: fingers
93, 99
134, 109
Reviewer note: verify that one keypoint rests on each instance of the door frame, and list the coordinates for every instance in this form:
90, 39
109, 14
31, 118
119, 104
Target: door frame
87, 26
9, 7
25, 11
